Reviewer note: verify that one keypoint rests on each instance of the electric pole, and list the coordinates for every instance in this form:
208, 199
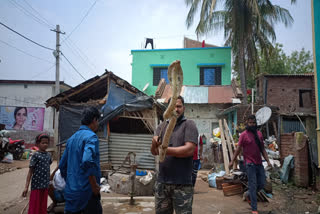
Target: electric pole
56, 53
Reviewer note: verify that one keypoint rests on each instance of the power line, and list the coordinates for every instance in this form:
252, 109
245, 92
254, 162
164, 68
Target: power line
43, 18
81, 20
73, 66
26, 37
42, 72
77, 47
22, 51
28, 13
20, 100
76, 52
67, 71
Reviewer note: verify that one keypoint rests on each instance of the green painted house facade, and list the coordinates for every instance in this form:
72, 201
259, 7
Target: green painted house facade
315, 7
201, 66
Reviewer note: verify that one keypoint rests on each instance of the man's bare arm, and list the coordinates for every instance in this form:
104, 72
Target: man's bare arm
182, 151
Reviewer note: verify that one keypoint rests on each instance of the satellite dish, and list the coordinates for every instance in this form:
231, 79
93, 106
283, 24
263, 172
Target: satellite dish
263, 115
145, 87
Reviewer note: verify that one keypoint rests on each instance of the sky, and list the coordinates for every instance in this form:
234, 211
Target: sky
104, 37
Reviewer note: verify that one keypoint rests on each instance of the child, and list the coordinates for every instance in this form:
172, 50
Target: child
39, 171
56, 189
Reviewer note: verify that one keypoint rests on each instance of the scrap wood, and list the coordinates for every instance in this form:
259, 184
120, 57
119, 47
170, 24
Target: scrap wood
228, 139
232, 189
229, 133
224, 149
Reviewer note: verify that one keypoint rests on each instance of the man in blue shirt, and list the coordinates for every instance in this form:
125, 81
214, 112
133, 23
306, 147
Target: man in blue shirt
80, 166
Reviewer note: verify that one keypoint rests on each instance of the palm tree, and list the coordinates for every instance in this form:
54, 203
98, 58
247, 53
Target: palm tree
246, 24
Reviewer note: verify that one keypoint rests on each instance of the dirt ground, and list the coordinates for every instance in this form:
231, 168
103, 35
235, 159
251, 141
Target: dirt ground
287, 199
17, 164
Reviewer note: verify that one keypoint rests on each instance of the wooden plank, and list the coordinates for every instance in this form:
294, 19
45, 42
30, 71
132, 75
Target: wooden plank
229, 133
228, 139
224, 149
275, 129
232, 189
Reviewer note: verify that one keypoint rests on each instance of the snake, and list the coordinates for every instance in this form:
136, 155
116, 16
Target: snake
175, 77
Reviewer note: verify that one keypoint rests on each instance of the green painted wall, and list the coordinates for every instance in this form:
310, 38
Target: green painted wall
316, 23
316, 54
142, 72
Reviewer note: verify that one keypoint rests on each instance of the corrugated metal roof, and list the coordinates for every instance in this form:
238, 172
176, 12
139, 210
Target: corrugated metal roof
195, 94
289, 75
220, 94
203, 94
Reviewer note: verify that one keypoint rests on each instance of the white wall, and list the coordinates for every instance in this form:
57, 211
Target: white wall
204, 115
34, 95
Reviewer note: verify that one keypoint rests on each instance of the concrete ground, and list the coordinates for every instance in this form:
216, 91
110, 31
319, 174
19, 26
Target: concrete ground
206, 199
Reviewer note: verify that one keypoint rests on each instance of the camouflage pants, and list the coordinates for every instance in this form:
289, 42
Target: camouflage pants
169, 197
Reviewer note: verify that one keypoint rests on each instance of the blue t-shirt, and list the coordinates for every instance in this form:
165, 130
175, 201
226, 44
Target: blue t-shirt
80, 160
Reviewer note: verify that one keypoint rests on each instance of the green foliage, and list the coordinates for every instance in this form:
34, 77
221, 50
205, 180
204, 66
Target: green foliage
275, 62
299, 62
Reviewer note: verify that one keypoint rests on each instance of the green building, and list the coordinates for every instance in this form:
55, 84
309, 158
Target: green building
201, 66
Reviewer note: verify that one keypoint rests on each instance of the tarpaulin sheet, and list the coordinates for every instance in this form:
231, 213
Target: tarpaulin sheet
285, 170
120, 100
69, 120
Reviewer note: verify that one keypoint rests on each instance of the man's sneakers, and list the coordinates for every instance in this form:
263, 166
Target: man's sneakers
255, 212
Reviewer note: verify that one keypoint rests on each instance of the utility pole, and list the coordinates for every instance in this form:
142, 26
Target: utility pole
56, 53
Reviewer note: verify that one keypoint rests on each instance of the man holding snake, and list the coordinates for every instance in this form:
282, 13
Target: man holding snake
173, 189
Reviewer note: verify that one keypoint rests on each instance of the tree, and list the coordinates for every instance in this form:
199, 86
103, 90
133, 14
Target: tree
275, 63
299, 62
246, 24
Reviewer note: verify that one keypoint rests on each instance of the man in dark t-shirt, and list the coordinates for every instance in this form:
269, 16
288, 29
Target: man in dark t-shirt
173, 189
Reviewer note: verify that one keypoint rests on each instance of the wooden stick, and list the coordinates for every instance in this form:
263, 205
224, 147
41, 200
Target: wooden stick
229, 132
224, 149
228, 139
235, 164
275, 129
24, 208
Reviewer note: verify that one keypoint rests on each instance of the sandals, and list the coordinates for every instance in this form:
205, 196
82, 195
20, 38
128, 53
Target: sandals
255, 212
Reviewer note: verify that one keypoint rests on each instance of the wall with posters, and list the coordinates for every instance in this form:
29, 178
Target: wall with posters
22, 118
32, 95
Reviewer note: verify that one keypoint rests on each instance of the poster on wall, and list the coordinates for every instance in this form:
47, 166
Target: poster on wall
22, 118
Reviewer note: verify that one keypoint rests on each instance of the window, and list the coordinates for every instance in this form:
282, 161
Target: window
305, 98
210, 76
158, 74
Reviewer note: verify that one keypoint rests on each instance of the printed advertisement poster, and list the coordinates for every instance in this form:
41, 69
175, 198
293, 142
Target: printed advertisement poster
22, 118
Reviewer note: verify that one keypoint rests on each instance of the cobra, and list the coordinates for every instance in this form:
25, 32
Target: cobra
175, 76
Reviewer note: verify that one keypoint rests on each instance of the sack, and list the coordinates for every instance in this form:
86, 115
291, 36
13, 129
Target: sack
58, 181
212, 178
8, 158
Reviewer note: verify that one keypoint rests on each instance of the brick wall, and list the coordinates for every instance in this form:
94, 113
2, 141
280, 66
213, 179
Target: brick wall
190, 43
283, 91
286, 145
301, 168
291, 144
